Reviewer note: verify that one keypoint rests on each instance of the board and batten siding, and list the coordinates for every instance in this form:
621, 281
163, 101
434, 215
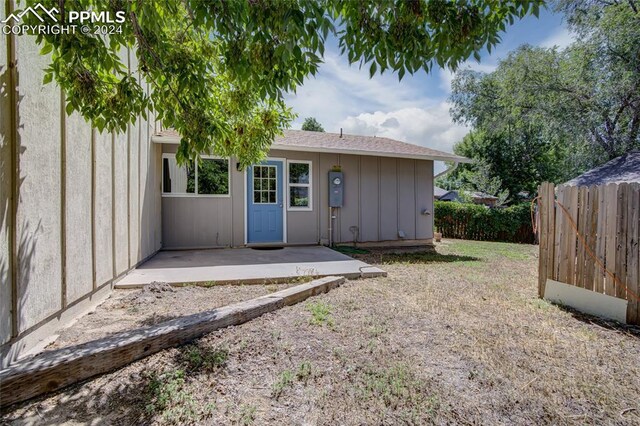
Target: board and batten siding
382, 196
78, 208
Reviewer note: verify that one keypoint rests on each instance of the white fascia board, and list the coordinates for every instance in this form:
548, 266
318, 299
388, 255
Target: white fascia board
172, 140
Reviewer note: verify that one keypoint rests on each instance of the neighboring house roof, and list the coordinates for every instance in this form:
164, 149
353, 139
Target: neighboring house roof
439, 192
300, 140
450, 196
625, 168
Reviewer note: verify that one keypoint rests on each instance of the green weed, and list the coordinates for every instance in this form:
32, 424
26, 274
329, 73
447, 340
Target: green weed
284, 380
320, 313
399, 389
304, 372
167, 398
247, 415
198, 358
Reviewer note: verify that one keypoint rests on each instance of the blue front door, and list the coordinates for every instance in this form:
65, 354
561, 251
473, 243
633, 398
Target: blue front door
264, 202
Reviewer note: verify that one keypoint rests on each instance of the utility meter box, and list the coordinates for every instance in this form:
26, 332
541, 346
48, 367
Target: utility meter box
336, 189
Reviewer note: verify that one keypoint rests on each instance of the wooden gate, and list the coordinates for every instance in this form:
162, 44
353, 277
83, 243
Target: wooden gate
589, 238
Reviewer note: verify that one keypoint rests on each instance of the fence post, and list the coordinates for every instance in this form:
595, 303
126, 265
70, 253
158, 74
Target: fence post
633, 253
546, 232
543, 239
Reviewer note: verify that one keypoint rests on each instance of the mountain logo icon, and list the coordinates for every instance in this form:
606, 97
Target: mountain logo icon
38, 11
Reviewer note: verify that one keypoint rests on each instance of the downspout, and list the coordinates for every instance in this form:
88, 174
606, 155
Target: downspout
449, 170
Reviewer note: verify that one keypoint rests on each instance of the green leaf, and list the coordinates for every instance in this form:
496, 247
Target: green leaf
46, 49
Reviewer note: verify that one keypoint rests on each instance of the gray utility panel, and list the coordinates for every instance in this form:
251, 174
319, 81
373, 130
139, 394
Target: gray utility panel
336, 189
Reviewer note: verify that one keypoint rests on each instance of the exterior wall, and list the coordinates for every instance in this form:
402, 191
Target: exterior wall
203, 222
382, 197
6, 183
74, 204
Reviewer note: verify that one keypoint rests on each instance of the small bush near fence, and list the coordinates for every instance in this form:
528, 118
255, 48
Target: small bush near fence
476, 222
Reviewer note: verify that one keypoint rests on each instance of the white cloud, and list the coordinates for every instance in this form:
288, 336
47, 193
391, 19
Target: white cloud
431, 126
340, 90
560, 39
343, 96
446, 75
428, 126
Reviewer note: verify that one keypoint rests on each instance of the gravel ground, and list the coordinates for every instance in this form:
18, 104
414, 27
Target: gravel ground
454, 337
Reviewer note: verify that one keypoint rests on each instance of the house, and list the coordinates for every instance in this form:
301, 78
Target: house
439, 192
625, 168
476, 197
386, 191
81, 209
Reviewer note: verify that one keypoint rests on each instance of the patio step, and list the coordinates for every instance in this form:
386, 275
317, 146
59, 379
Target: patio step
57, 369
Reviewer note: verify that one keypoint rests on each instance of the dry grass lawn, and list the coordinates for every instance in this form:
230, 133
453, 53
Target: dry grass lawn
456, 337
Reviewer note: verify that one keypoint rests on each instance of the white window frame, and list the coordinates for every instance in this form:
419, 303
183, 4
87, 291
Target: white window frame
300, 185
196, 195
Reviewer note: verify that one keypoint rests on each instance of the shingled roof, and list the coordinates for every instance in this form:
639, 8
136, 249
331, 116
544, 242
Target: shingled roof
300, 140
625, 168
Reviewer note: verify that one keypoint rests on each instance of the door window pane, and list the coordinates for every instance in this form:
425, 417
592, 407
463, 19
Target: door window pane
264, 185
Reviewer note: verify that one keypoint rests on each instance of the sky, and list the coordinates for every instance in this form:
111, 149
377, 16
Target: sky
414, 110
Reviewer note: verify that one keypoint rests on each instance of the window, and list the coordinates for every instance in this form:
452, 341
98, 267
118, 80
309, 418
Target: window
211, 178
299, 179
264, 185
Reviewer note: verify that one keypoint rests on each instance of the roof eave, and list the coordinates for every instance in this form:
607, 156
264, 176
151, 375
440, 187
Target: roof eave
175, 140
453, 158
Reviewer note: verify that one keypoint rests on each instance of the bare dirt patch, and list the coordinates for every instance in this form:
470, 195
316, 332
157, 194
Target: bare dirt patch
153, 304
452, 337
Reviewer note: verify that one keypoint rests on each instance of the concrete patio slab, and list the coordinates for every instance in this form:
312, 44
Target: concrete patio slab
246, 266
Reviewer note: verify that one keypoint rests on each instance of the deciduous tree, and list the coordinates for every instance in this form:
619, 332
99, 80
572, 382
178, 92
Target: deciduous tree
218, 70
312, 125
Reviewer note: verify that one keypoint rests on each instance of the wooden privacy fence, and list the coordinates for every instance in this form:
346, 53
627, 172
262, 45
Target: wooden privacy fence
589, 238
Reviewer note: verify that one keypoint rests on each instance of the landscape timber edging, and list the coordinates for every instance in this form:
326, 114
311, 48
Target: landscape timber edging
57, 369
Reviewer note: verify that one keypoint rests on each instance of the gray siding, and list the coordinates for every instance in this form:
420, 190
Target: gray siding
382, 197
38, 213
6, 183
369, 208
388, 207
204, 222
64, 171
196, 222
424, 199
78, 184
303, 226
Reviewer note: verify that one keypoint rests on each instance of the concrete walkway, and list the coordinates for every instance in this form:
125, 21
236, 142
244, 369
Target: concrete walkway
246, 265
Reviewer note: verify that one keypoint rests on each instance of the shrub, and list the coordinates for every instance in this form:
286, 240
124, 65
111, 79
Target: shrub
477, 222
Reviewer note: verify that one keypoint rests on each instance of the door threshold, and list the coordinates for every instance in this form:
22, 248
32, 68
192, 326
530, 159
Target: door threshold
266, 245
